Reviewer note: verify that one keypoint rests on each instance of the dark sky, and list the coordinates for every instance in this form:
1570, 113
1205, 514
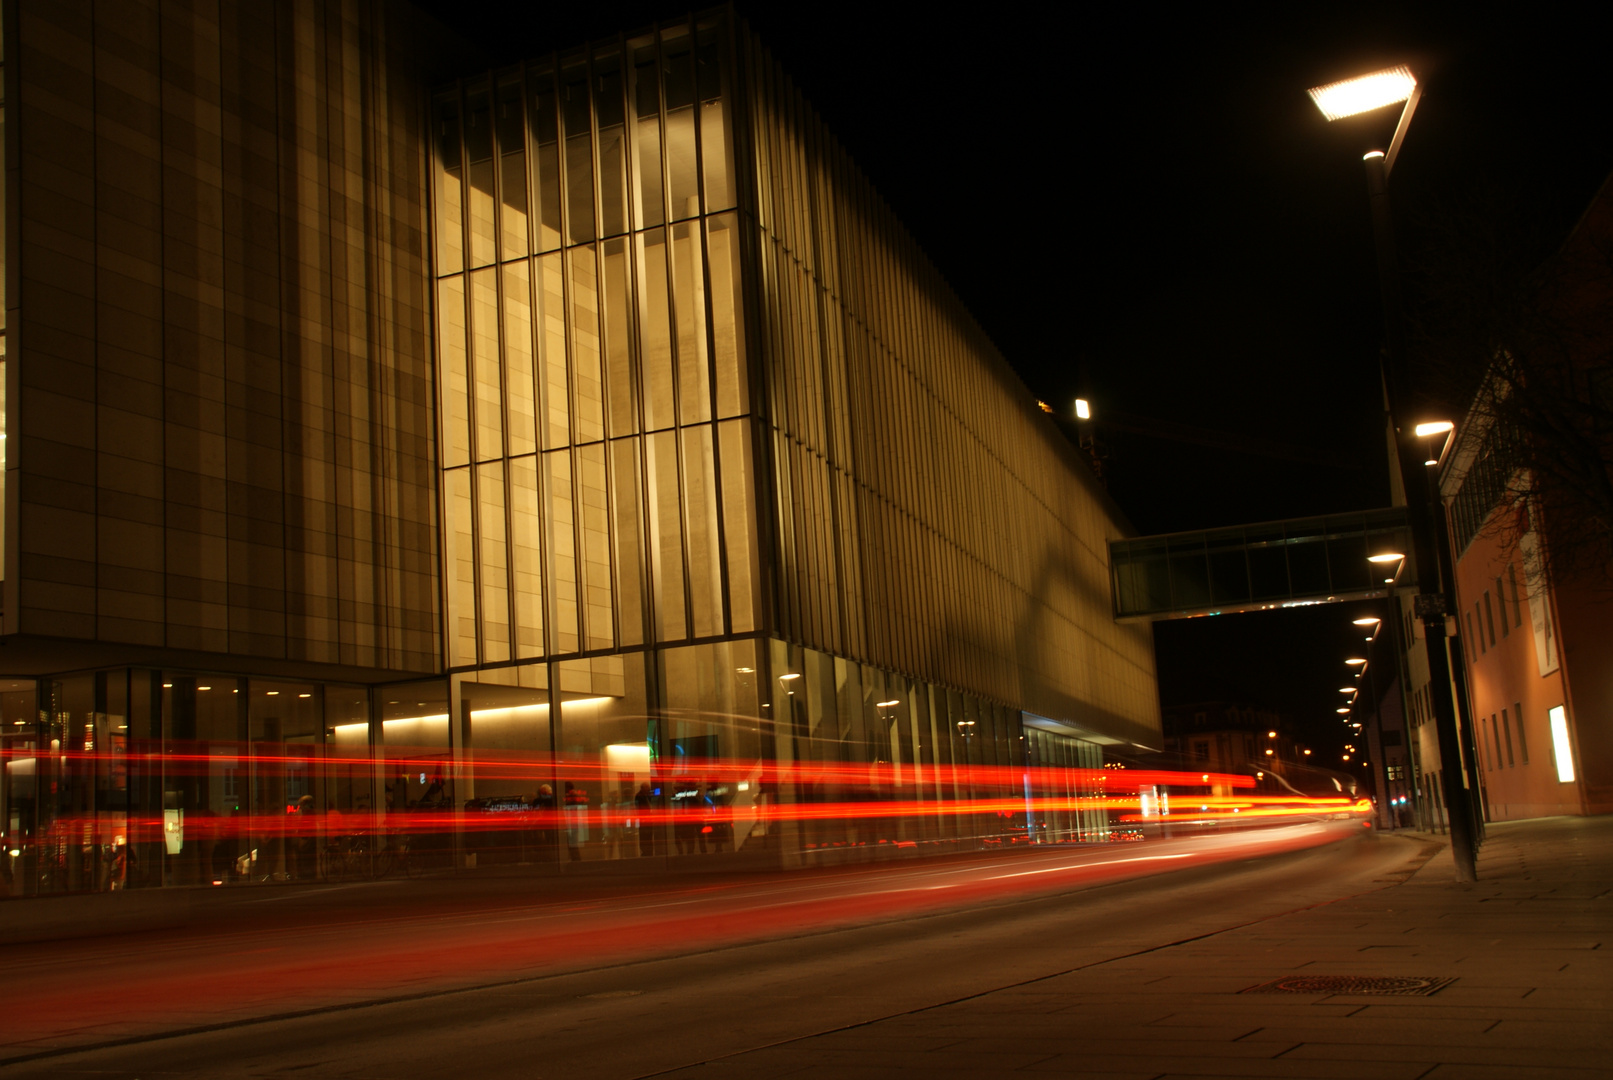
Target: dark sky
1146, 209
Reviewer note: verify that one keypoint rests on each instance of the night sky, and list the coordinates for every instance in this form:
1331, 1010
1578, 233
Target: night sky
1146, 209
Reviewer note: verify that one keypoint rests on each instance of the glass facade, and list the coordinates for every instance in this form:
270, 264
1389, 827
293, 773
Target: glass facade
747, 544
593, 394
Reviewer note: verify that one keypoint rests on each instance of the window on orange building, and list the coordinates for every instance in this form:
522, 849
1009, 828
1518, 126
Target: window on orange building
1506, 727
1523, 742
1489, 616
1501, 602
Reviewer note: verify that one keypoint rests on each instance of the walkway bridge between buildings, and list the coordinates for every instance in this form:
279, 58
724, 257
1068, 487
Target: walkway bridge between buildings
1276, 564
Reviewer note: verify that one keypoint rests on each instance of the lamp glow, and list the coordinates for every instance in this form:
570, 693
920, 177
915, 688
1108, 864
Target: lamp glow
1355, 660
1368, 621
1351, 97
1433, 428
1386, 557
1083, 410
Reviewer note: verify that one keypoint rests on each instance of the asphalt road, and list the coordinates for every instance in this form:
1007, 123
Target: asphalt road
617, 980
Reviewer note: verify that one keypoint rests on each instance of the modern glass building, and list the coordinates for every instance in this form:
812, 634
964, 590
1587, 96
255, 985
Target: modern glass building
565, 463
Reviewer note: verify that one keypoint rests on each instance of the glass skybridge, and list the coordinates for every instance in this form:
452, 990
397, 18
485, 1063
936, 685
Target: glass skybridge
1276, 564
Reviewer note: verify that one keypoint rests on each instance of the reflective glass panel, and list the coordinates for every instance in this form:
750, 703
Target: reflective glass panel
494, 568
666, 536
461, 562
562, 550
448, 182
552, 323
453, 377
621, 389
655, 332
705, 549
606, 764
575, 114
545, 161
648, 185
486, 363
677, 63
526, 556
594, 512
479, 171
689, 292
727, 316
585, 360
629, 537
610, 114
520, 390
511, 131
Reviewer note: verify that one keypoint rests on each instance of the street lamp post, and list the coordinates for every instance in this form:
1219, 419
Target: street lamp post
1336, 101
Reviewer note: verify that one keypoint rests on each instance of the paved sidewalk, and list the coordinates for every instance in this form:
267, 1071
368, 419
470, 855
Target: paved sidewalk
1529, 950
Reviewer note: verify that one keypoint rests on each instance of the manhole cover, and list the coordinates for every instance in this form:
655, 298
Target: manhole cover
1411, 986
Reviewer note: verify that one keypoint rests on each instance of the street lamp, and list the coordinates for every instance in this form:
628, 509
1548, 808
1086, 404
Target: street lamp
1351, 97
1428, 431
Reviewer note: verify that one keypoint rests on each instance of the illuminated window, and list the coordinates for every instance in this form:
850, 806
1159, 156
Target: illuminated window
1560, 748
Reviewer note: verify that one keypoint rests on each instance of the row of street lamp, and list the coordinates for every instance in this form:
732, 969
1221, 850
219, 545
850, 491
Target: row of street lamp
1351, 97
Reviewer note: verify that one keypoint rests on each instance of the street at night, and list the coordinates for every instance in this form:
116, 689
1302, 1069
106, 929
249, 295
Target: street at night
837, 540
1124, 960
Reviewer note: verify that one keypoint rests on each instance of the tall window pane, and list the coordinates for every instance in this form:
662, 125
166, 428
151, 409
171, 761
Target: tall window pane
520, 392
682, 166
727, 316
689, 293
454, 378
611, 116
739, 523
562, 549
494, 564
705, 552
462, 568
715, 156
647, 138
655, 331
450, 196
510, 126
589, 383
545, 162
479, 169
575, 115
526, 556
621, 389
485, 360
629, 536
594, 511
666, 538
552, 323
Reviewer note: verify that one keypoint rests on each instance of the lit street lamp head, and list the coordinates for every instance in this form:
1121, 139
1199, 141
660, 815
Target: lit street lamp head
1351, 97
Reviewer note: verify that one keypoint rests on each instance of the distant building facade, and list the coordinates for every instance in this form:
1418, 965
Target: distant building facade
391, 450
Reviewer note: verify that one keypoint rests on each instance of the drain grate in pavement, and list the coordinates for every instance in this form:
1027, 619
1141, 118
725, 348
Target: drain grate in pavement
1408, 986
